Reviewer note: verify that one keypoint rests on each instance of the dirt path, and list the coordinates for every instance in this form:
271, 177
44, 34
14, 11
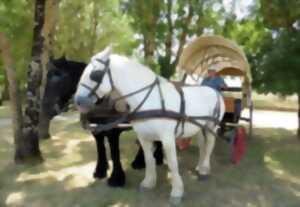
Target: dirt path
261, 119
274, 119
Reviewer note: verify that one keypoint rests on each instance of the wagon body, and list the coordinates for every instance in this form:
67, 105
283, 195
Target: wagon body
229, 60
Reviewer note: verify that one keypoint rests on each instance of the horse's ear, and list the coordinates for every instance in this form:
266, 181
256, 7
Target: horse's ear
107, 51
63, 58
51, 65
51, 58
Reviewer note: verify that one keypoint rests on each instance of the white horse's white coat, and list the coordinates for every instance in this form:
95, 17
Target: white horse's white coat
129, 76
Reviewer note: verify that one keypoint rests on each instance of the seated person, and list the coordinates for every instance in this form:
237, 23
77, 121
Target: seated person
213, 80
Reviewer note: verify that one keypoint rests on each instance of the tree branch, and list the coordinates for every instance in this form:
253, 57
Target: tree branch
182, 37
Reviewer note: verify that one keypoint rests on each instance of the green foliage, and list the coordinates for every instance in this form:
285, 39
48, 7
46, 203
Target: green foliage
164, 26
280, 13
83, 28
16, 22
276, 63
280, 66
86, 27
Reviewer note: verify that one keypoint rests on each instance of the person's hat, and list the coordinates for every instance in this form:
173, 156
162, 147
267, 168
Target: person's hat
212, 68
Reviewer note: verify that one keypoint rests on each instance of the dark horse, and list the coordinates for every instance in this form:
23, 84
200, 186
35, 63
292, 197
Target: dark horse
63, 76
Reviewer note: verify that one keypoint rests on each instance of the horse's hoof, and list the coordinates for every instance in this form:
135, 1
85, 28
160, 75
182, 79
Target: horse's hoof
116, 181
175, 201
138, 165
203, 177
100, 175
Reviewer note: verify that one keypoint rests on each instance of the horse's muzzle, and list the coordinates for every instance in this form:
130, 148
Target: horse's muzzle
83, 104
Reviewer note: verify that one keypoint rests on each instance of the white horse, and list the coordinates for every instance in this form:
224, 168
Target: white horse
126, 76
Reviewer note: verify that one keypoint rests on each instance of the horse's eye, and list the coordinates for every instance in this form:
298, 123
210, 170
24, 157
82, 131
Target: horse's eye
56, 73
97, 76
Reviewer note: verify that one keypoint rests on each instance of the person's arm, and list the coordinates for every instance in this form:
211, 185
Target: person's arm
223, 85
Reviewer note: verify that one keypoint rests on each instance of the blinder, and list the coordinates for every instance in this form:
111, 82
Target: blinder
97, 75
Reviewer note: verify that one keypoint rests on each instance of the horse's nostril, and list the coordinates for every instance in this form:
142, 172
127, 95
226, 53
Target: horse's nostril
78, 101
81, 101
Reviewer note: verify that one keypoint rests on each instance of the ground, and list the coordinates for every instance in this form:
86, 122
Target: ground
269, 175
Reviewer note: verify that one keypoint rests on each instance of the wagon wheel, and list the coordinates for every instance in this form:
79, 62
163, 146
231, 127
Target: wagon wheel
238, 145
250, 120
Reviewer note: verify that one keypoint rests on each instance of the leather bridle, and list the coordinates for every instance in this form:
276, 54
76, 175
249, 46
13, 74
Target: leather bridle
97, 76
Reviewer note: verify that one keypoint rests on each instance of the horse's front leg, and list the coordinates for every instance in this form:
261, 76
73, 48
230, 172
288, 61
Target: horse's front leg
171, 157
102, 165
117, 178
139, 160
149, 181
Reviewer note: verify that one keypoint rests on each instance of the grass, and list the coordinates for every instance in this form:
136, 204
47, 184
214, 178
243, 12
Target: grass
4, 111
269, 175
272, 102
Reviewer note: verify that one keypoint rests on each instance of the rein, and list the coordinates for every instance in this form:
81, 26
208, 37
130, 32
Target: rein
181, 117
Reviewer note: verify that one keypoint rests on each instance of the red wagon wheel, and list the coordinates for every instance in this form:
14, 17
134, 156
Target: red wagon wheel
239, 145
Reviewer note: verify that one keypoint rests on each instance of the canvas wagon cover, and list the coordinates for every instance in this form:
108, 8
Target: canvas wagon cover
223, 54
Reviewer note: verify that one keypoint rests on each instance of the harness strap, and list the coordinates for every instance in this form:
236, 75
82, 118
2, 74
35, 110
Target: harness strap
137, 91
162, 100
147, 95
182, 112
217, 110
151, 114
92, 90
126, 117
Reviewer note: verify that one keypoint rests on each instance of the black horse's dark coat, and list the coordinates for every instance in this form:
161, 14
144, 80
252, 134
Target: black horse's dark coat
62, 79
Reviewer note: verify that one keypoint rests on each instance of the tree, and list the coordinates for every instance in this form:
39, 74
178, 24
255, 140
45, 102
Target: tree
165, 26
48, 34
14, 93
29, 150
97, 23
278, 67
17, 24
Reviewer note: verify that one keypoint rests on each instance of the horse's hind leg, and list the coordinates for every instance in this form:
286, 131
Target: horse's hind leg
171, 157
150, 173
101, 166
202, 150
117, 178
206, 145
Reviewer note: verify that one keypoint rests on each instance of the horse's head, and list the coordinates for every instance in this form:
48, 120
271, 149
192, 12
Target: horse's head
62, 79
95, 82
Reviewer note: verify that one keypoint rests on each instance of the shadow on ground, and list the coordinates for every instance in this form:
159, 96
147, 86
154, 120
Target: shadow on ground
269, 175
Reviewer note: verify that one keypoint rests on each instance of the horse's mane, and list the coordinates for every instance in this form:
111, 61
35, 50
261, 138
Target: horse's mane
73, 68
139, 65
68, 65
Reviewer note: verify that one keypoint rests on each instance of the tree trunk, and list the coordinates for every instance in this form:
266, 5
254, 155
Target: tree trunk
44, 127
48, 34
30, 151
149, 47
5, 92
14, 92
182, 36
298, 131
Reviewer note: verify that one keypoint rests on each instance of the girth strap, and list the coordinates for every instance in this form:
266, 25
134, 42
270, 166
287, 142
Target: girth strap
151, 114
